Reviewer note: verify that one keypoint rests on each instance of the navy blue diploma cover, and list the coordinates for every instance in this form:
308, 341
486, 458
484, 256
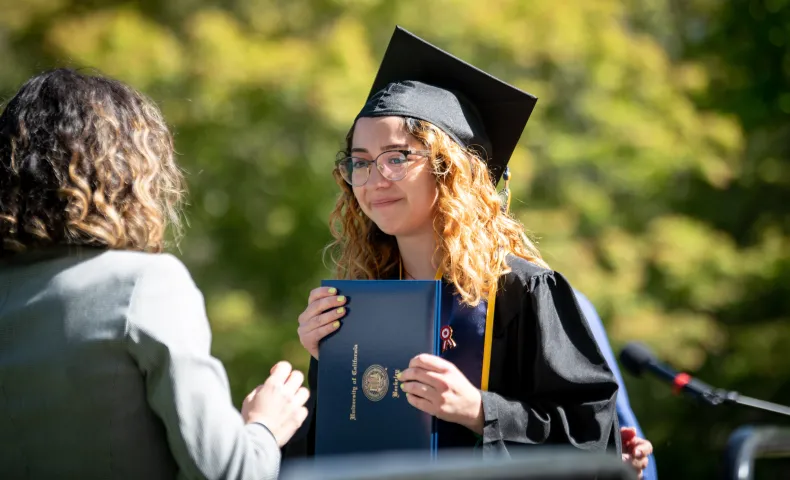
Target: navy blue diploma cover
360, 406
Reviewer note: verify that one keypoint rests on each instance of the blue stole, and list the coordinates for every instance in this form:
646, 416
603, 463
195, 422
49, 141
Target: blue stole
469, 327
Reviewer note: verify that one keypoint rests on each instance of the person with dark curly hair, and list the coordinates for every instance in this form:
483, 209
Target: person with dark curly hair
105, 364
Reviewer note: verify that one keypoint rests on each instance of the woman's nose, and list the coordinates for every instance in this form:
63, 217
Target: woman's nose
377, 179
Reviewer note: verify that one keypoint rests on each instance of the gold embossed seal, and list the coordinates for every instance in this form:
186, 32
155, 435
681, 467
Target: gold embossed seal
375, 382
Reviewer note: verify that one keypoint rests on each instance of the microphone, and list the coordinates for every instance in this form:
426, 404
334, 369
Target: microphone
637, 358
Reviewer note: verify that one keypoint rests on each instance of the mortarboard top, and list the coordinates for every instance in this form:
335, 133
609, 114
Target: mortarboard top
419, 80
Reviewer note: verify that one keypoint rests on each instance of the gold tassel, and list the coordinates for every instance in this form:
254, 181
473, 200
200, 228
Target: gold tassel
506, 190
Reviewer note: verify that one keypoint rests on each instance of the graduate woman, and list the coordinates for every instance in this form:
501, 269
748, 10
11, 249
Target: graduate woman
418, 200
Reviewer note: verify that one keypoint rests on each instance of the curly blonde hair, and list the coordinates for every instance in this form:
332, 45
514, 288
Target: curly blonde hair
85, 160
473, 232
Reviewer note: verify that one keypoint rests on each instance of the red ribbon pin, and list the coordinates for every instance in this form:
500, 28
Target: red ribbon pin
447, 338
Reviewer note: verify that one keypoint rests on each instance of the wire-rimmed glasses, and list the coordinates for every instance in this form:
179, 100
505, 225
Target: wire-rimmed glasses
392, 164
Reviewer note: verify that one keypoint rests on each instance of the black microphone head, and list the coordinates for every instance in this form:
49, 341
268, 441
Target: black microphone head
635, 357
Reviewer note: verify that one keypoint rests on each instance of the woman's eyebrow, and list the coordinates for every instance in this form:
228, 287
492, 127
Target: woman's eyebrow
396, 146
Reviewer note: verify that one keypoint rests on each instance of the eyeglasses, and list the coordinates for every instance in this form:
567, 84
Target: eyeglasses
393, 165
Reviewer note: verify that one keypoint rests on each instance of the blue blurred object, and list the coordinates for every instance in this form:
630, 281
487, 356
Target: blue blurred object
749, 443
624, 412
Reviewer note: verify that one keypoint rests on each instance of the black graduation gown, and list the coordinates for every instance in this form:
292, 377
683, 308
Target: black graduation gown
548, 381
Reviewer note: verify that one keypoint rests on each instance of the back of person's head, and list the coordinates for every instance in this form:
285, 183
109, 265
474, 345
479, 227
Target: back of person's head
85, 160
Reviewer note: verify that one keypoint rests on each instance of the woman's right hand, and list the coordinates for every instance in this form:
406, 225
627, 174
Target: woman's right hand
278, 403
320, 318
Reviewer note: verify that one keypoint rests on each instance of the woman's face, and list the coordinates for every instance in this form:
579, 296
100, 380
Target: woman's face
399, 208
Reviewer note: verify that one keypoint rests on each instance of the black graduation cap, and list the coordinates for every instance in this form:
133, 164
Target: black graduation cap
418, 80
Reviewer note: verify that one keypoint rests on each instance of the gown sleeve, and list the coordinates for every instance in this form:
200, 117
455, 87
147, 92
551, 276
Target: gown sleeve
559, 387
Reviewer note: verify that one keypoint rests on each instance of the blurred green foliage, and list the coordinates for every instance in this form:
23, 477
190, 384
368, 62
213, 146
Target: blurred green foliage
654, 170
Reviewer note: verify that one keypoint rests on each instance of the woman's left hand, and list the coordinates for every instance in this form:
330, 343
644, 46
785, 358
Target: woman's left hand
635, 450
437, 387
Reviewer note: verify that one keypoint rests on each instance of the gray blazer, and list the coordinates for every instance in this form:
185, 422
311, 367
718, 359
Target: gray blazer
105, 373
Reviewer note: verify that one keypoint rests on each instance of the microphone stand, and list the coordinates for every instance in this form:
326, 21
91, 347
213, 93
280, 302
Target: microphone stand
719, 396
637, 358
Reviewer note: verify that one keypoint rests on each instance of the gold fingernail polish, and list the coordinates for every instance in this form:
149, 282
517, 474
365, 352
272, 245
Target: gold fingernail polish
398, 375
341, 298
332, 291
341, 310
336, 324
